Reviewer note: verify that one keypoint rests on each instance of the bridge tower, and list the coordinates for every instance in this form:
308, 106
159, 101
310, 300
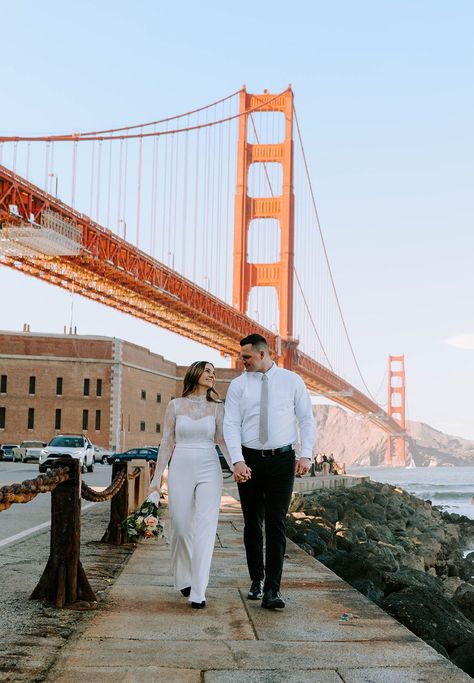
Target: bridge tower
281, 207
396, 447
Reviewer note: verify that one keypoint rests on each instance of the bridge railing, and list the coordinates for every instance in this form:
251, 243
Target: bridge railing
64, 581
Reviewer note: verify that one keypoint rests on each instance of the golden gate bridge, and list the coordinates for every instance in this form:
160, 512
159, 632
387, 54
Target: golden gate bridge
204, 223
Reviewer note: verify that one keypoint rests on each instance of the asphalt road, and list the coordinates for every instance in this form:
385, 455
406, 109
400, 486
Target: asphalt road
20, 520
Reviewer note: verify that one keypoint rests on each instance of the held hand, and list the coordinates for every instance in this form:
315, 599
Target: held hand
242, 473
302, 466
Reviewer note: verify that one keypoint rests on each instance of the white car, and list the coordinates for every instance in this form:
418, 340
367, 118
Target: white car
27, 450
101, 455
75, 446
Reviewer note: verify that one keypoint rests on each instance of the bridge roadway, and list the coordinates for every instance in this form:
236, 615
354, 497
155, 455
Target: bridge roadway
146, 631
108, 269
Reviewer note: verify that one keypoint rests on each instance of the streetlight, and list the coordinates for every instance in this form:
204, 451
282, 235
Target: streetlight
53, 175
171, 253
121, 220
207, 282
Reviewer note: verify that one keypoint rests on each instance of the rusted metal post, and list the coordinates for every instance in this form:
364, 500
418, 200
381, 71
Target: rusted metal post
64, 581
115, 534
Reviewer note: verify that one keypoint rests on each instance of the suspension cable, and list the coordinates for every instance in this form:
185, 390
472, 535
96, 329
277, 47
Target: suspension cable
311, 318
78, 137
313, 200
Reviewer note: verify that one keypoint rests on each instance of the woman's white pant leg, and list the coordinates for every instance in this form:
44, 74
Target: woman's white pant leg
206, 516
181, 485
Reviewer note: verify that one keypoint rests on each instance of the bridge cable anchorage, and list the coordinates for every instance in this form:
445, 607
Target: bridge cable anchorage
27, 490
327, 257
78, 137
114, 487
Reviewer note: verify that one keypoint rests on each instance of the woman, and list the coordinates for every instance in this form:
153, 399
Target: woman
192, 427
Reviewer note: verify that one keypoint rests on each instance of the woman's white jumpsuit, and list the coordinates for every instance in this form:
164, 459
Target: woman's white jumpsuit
192, 427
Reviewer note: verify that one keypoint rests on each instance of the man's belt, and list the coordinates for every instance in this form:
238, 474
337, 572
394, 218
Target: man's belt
266, 452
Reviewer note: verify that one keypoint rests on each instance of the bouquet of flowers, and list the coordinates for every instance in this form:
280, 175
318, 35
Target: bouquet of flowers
145, 521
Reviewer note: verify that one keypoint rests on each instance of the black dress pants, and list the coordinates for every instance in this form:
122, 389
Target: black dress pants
265, 498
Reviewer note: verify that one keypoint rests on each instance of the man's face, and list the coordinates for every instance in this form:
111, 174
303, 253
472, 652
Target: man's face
253, 360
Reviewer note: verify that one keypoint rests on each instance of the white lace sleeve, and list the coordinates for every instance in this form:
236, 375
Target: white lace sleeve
166, 446
220, 434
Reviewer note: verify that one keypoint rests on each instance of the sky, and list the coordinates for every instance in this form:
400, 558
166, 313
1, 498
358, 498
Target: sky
384, 94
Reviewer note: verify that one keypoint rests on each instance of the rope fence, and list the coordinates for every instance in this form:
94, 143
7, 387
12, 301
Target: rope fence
27, 490
64, 581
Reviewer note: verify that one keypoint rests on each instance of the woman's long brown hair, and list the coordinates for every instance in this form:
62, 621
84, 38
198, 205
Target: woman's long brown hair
191, 379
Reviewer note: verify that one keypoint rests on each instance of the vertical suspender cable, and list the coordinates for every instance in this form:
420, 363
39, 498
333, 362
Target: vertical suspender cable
184, 241
119, 190
165, 178
92, 178
109, 185
28, 149
74, 175
139, 188
46, 165
99, 161
125, 178
196, 191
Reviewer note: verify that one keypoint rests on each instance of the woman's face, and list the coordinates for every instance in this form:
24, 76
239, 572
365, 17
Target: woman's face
208, 377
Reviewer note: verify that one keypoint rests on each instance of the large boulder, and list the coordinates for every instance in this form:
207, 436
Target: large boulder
463, 657
369, 589
464, 599
431, 619
406, 578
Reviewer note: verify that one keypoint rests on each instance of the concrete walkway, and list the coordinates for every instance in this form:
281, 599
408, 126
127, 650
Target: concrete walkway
147, 632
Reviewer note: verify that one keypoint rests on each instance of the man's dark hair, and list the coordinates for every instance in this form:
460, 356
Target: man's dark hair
258, 342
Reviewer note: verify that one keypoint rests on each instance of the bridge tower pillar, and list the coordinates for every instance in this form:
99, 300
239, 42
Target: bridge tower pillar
279, 275
396, 447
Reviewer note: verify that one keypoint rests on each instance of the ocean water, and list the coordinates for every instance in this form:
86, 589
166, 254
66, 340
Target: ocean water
451, 488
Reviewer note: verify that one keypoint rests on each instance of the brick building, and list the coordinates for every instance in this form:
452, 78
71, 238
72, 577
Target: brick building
111, 390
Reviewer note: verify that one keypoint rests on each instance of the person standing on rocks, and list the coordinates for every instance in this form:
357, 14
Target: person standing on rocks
260, 428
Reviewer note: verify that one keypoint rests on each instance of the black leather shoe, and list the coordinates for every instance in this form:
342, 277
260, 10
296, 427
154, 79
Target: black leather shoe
256, 591
273, 600
186, 591
198, 605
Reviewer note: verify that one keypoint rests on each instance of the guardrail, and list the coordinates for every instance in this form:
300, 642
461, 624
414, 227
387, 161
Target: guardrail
64, 581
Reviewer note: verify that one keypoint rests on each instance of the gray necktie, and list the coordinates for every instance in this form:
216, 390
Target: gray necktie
263, 426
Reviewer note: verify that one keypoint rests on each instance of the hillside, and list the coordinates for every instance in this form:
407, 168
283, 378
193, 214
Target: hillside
354, 440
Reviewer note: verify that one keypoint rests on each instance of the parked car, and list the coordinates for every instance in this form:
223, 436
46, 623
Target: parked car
6, 450
28, 450
101, 455
146, 453
75, 446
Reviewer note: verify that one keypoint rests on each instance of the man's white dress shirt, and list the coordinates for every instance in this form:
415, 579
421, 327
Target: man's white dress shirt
288, 399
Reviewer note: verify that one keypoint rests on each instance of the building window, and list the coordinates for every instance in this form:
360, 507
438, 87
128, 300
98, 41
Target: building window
142, 426
158, 428
97, 420
3, 384
31, 418
32, 385
3, 416
143, 395
57, 418
158, 398
87, 387
59, 386
85, 419
98, 390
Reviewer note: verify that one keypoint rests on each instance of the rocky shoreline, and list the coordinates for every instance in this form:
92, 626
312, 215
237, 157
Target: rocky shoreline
403, 553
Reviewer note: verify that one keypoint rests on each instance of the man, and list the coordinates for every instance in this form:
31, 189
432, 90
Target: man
261, 409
